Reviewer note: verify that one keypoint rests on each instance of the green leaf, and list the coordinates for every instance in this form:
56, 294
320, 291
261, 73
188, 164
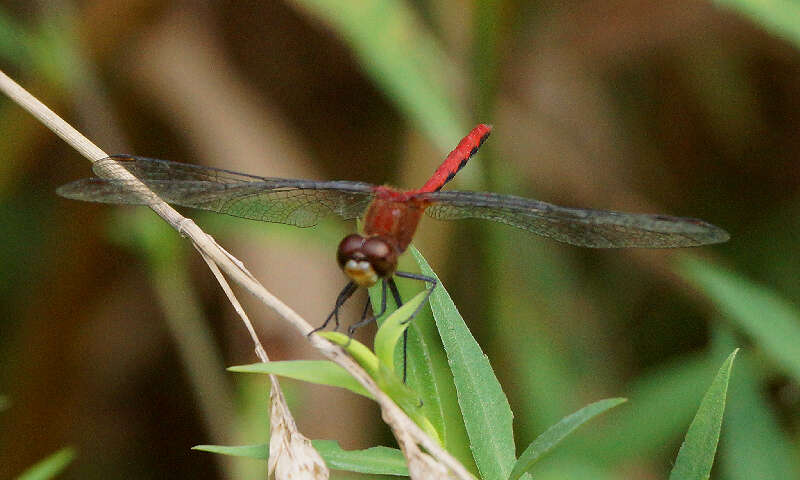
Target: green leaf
773, 322
375, 460
258, 452
662, 399
429, 375
392, 329
780, 17
487, 415
696, 455
386, 379
751, 424
357, 350
558, 432
4, 402
401, 55
322, 372
50, 466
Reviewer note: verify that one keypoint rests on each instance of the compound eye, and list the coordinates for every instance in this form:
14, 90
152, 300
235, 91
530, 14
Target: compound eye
350, 248
381, 255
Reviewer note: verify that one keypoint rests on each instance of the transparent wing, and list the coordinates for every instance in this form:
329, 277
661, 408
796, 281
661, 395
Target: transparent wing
294, 202
576, 226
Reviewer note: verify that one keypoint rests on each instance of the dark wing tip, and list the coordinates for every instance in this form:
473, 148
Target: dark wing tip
716, 235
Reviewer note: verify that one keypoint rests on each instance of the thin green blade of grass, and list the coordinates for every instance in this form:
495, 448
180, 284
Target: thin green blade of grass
375, 460
770, 320
484, 406
402, 56
51, 466
751, 425
322, 372
548, 440
661, 400
696, 455
780, 17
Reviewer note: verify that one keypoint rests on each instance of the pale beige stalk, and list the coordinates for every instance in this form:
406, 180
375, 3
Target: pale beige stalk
438, 464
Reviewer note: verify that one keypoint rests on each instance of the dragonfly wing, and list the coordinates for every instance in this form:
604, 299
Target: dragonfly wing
294, 202
576, 226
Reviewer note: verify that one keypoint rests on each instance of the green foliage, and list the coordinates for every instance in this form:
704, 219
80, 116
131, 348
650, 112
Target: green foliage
781, 17
484, 406
375, 460
558, 432
430, 376
321, 372
751, 427
769, 319
50, 466
402, 57
697, 452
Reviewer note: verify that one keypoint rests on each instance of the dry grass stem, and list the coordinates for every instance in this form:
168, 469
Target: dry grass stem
402, 426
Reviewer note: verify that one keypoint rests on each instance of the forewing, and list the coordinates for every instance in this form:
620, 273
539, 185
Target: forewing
576, 226
294, 202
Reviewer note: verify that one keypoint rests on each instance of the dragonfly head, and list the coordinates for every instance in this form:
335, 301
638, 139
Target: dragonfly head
366, 259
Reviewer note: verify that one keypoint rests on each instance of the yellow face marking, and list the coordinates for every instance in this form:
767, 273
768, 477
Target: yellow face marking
361, 272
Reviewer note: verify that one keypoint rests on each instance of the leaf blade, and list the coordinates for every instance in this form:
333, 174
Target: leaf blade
697, 452
484, 406
769, 319
322, 372
374, 460
402, 56
558, 432
51, 466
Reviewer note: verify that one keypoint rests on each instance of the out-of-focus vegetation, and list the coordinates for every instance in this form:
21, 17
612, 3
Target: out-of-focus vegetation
114, 337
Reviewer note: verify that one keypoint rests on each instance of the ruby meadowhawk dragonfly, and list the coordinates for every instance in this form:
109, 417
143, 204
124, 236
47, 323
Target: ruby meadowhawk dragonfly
390, 215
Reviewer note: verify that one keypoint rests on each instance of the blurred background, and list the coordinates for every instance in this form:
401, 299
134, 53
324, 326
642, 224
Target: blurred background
114, 336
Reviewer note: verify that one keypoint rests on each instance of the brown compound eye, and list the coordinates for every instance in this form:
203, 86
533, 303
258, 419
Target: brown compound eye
350, 248
380, 255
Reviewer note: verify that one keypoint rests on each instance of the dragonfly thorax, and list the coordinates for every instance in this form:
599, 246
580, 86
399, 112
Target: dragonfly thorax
367, 259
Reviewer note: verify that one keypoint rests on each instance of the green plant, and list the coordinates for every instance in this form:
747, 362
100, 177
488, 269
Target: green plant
483, 410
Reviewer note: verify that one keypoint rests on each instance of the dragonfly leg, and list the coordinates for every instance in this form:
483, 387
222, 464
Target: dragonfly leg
422, 278
367, 319
345, 294
399, 302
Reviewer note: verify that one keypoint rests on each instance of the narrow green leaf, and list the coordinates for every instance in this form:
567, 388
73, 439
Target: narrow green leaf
662, 399
4, 402
402, 56
378, 460
781, 17
487, 415
696, 455
429, 375
356, 349
386, 379
558, 432
50, 466
375, 460
773, 322
322, 372
258, 452
751, 424
392, 329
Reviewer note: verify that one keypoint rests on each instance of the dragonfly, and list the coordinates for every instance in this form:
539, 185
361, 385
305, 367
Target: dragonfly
390, 215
